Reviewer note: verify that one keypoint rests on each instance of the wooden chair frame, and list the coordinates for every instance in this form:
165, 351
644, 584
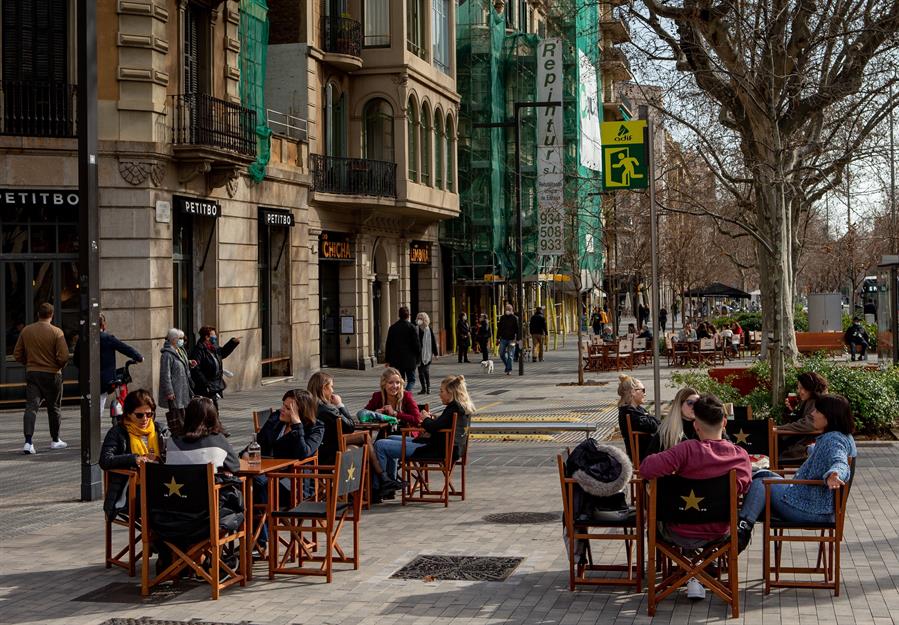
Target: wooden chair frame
828, 536
774, 446
624, 358
193, 557
416, 472
127, 556
687, 566
330, 524
632, 535
260, 417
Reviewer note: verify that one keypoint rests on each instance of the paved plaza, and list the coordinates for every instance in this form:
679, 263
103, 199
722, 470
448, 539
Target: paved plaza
51, 546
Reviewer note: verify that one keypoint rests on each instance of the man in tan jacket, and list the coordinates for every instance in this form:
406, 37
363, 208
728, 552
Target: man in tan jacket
43, 350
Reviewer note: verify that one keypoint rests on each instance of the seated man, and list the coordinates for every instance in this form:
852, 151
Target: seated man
856, 337
703, 458
687, 333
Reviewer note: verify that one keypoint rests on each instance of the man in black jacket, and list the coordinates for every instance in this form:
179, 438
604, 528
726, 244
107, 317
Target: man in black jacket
857, 337
538, 329
403, 349
507, 331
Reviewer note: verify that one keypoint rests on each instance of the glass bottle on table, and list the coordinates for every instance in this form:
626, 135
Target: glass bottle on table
254, 454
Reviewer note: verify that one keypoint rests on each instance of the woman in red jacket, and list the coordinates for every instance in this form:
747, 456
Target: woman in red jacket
392, 400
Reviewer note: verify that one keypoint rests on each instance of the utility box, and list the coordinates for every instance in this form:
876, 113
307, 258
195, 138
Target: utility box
825, 312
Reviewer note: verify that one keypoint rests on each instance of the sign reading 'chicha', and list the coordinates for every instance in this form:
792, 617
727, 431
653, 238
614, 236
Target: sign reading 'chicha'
335, 246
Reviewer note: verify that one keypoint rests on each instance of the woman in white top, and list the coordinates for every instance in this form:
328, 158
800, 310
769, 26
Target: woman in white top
428, 350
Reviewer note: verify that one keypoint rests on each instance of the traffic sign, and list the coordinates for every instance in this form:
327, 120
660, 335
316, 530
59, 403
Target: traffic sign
624, 158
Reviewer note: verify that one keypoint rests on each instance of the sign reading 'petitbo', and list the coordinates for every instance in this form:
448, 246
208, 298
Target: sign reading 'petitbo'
197, 206
38, 198
276, 217
335, 246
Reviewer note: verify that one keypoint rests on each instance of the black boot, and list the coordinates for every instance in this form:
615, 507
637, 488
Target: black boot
744, 535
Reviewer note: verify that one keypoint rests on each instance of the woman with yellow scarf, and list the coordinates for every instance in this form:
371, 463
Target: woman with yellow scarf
135, 439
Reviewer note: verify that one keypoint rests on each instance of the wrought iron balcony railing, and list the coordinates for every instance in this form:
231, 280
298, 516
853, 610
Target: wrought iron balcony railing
202, 120
352, 176
37, 109
341, 35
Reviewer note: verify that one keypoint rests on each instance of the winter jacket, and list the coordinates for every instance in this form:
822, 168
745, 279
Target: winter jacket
801, 420
830, 454
484, 332
641, 421
174, 377
109, 345
116, 454
302, 441
463, 334
402, 350
207, 375
328, 415
421, 339
435, 444
507, 328
538, 325
857, 334
213, 448
408, 414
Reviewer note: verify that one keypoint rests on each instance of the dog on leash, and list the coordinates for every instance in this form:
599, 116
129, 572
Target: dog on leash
487, 366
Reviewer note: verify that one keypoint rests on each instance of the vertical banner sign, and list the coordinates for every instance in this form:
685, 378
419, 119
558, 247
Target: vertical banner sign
550, 196
588, 105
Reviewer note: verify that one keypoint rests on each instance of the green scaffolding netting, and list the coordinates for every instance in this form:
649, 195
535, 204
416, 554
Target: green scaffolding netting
497, 67
253, 48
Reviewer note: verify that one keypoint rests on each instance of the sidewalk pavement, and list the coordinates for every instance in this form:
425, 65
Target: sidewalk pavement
51, 547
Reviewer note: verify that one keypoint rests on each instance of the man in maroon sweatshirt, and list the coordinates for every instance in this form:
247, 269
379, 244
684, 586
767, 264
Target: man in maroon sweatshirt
710, 456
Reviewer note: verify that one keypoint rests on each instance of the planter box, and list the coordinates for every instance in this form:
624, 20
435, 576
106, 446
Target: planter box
744, 381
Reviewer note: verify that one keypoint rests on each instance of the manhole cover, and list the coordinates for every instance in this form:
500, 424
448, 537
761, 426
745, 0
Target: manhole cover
523, 518
124, 592
465, 568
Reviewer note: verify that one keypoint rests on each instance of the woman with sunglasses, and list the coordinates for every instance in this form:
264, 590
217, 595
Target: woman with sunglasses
678, 425
632, 394
135, 439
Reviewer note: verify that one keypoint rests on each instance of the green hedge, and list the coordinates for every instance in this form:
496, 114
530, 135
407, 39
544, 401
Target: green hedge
873, 395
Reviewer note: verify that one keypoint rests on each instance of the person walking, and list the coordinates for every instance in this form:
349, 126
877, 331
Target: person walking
403, 349
596, 321
428, 342
663, 319
507, 331
463, 337
207, 375
42, 348
483, 335
174, 379
538, 329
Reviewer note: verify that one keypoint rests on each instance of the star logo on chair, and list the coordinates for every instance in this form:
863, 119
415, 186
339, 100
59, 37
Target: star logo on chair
691, 501
174, 488
742, 437
351, 473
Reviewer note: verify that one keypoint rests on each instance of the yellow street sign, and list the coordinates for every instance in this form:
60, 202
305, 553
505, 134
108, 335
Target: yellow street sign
624, 155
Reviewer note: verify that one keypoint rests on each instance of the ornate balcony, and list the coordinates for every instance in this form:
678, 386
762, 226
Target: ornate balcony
37, 109
352, 176
614, 29
615, 65
342, 42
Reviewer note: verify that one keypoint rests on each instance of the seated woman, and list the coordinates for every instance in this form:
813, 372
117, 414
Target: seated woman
828, 460
203, 439
394, 401
135, 439
678, 425
454, 394
331, 410
632, 393
809, 386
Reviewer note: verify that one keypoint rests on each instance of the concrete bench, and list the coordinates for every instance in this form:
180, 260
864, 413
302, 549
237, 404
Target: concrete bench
812, 342
531, 427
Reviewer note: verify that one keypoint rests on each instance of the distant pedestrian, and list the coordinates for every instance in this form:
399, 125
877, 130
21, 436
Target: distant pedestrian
42, 348
208, 374
403, 349
484, 334
508, 332
856, 337
537, 327
109, 345
428, 342
463, 337
663, 318
175, 387
674, 310
596, 321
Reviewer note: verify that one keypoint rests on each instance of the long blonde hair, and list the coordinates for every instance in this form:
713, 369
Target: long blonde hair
388, 373
626, 387
671, 432
317, 384
457, 389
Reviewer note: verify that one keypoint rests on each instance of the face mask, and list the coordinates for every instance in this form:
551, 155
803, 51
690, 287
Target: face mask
419, 321
180, 342
214, 340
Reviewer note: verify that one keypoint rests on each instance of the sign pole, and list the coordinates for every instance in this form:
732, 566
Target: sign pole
654, 244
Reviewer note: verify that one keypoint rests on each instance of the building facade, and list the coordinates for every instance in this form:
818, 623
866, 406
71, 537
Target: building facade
257, 175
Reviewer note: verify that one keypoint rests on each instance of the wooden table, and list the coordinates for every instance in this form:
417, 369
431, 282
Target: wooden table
268, 465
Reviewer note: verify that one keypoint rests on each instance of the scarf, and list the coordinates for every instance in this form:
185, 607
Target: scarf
136, 436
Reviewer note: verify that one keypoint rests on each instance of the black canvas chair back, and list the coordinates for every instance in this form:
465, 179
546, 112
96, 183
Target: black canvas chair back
682, 500
260, 417
750, 434
178, 500
742, 412
350, 471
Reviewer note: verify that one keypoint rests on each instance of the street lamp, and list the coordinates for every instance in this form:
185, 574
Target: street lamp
516, 124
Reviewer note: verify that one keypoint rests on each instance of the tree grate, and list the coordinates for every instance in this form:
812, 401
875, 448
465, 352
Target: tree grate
124, 592
523, 518
460, 568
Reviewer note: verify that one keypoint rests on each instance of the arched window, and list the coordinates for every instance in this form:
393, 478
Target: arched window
450, 154
412, 131
377, 130
425, 144
335, 121
438, 149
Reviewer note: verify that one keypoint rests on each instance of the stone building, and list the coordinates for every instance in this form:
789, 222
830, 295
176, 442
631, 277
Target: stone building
262, 170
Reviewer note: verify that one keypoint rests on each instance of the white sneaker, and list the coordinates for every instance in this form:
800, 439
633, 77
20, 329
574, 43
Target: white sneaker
28, 448
60, 444
695, 590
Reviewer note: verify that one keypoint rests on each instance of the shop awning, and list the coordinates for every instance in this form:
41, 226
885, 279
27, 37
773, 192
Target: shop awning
717, 289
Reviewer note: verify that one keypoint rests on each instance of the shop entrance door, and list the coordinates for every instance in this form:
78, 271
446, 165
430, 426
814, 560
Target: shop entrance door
329, 308
274, 304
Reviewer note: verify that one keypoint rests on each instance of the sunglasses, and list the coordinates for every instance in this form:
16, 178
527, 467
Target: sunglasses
690, 402
144, 415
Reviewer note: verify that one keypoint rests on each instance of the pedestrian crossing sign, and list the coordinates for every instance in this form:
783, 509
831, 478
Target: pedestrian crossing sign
624, 155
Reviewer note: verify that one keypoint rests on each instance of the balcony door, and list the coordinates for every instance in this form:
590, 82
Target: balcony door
335, 121
378, 131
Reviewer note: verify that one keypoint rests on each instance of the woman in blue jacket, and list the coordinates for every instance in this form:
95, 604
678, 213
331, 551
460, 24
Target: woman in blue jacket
828, 460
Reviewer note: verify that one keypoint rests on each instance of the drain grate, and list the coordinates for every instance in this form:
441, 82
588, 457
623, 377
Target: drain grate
154, 621
123, 592
463, 568
523, 518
